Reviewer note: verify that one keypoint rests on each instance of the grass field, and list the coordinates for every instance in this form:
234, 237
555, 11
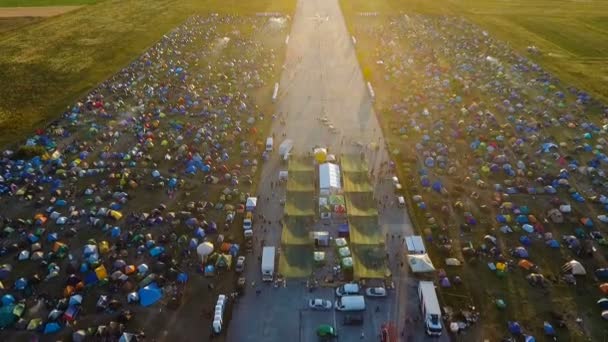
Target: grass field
299, 203
296, 230
364, 230
356, 182
369, 261
47, 65
360, 204
8, 24
296, 261
301, 181
570, 34
29, 3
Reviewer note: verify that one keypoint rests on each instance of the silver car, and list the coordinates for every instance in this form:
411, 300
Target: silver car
375, 292
319, 304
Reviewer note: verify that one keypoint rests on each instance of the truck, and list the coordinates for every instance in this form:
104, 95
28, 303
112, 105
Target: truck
429, 305
350, 303
268, 263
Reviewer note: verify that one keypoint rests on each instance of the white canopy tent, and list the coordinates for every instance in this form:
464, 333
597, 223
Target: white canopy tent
415, 245
329, 178
420, 263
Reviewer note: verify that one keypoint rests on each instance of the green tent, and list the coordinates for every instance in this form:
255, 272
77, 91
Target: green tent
7, 318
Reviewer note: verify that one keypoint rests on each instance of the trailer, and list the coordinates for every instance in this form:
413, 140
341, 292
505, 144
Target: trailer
268, 254
429, 305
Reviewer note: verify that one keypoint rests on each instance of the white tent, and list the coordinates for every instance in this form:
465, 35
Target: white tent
283, 175
415, 245
329, 178
204, 249
420, 263
574, 267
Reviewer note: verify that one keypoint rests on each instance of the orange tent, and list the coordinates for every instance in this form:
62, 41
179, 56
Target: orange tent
40, 218
225, 247
68, 291
604, 288
130, 269
525, 264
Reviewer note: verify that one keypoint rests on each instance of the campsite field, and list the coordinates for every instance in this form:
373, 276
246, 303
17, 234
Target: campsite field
46, 65
569, 36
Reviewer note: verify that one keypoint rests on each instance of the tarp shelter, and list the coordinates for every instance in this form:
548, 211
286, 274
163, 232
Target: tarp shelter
574, 267
149, 295
420, 263
329, 178
415, 244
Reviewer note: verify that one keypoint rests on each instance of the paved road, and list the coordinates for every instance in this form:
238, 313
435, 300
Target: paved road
322, 78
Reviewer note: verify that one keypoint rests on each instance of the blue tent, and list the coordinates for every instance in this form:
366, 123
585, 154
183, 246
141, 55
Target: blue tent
514, 328
20, 284
8, 299
501, 219
52, 327
156, 251
553, 243
437, 186
549, 330
603, 303
520, 252
522, 219
529, 338
602, 273
115, 232
149, 295
525, 240
182, 278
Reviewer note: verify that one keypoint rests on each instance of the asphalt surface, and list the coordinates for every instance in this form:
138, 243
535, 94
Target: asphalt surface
322, 78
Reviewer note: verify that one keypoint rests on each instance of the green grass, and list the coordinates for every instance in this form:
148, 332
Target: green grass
356, 182
28, 3
352, 163
296, 261
296, 230
9, 24
47, 66
301, 181
369, 261
299, 203
360, 204
365, 230
571, 34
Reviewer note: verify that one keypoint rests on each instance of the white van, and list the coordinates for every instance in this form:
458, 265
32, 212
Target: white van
269, 144
350, 303
348, 289
401, 201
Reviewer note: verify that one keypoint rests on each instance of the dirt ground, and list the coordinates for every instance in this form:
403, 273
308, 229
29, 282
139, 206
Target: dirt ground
46, 11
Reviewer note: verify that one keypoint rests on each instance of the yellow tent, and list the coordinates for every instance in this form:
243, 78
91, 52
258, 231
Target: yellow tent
101, 272
320, 155
117, 215
104, 247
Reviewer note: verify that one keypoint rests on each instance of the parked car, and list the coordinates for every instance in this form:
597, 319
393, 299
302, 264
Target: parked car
347, 289
353, 320
240, 264
319, 304
375, 292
